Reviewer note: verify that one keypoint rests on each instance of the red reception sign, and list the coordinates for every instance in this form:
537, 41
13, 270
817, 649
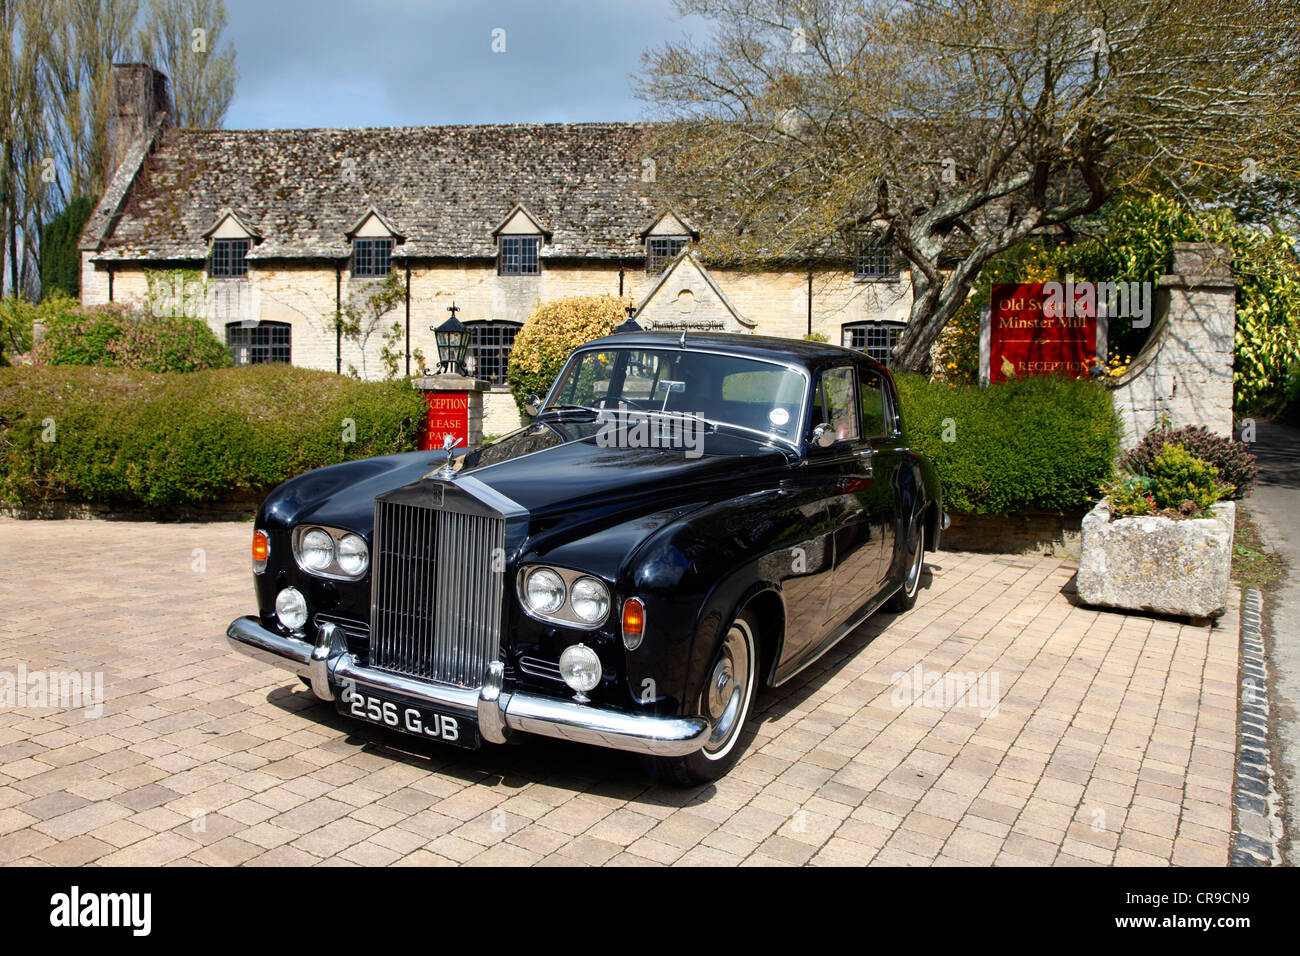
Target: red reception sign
448, 415
1034, 333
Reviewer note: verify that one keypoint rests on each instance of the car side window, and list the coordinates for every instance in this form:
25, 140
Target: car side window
875, 406
835, 403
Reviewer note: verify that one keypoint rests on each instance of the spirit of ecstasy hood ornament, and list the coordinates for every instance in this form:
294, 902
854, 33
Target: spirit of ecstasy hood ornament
447, 472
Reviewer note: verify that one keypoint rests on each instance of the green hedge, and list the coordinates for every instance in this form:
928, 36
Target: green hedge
110, 335
129, 438
1040, 443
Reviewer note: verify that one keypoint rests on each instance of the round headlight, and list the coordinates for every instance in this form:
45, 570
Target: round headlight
353, 555
580, 667
589, 599
316, 550
544, 591
291, 609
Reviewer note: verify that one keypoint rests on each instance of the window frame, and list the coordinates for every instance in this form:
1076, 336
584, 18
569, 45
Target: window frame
270, 346
492, 325
237, 264
503, 256
821, 398
667, 259
371, 271
893, 329
875, 249
888, 417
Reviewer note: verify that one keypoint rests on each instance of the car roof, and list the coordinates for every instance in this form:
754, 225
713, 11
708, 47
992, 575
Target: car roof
799, 351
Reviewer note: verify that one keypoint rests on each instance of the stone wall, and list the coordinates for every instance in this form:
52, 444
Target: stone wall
500, 413
1184, 373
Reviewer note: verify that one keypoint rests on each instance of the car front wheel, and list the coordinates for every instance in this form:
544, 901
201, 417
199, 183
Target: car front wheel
726, 699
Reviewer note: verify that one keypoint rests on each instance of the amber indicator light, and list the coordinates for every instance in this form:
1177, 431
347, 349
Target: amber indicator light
633, 616
261, 547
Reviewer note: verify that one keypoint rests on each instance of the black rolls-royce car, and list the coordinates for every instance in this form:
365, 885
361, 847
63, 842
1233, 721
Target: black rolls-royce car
687, 518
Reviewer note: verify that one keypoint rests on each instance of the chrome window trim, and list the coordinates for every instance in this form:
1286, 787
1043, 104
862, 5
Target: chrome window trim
334, 572
569, 576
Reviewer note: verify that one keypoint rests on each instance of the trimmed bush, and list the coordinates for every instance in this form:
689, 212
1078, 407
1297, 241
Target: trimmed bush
161, 441
114, 336
1236, 465
1182, 481
553, 331
1038, 443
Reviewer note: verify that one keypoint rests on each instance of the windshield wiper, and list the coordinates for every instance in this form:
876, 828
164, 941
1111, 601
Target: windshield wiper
568, 408
678, 414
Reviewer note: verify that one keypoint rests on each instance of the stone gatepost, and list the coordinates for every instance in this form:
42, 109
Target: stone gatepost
455, 404
1184, 372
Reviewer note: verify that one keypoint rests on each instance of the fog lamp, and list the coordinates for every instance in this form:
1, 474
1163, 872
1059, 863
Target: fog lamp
291, 609
580, 668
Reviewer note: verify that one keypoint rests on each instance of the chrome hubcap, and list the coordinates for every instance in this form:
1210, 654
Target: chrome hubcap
726, 695
914, 571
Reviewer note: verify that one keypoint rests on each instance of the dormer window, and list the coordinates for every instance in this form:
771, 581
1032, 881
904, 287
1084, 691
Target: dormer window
665, 238
875, 259
518, 256
519, 239
229, 258
372, 256
373, 237
660, 251
231, 238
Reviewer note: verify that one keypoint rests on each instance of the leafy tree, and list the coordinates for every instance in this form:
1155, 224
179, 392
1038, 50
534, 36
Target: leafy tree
553, 330
182, 39
957, 130
1131, 240
56, 85
60, 260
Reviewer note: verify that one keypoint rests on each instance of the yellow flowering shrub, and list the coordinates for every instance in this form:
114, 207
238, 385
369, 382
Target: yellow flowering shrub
553, 330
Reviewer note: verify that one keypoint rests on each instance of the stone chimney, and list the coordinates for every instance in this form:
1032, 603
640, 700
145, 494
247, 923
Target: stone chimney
140, 94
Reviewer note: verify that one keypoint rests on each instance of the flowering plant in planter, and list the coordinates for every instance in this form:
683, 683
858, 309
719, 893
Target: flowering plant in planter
1161, 541
1174, 484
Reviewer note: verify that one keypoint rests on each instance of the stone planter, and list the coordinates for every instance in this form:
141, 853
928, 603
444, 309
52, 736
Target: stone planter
1158, 565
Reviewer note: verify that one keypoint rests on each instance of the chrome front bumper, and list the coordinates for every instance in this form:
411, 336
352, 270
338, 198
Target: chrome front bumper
328, 664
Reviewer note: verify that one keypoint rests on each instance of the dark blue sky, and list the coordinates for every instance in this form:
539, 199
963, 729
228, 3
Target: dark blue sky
417, 62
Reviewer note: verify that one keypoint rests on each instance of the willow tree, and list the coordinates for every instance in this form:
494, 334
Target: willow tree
956, 129
183, 39
56, 94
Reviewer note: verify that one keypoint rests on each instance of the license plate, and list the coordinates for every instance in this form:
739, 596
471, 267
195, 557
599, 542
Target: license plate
411, 718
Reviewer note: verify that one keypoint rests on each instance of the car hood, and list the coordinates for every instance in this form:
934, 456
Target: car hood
548, 467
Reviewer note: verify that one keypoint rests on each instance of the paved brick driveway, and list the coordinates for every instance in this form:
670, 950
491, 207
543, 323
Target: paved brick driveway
1112, 741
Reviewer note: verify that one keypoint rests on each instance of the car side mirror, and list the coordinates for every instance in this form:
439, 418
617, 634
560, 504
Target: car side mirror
532, 405
823, 435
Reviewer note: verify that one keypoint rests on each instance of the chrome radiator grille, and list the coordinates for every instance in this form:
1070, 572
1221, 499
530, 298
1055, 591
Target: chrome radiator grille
435, 602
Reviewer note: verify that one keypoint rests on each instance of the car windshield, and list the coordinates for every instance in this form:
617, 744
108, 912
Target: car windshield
725, 389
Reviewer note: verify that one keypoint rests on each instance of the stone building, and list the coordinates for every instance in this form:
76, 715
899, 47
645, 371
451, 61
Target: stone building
282, 227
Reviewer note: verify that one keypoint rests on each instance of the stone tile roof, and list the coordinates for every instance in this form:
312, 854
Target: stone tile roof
445, 188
